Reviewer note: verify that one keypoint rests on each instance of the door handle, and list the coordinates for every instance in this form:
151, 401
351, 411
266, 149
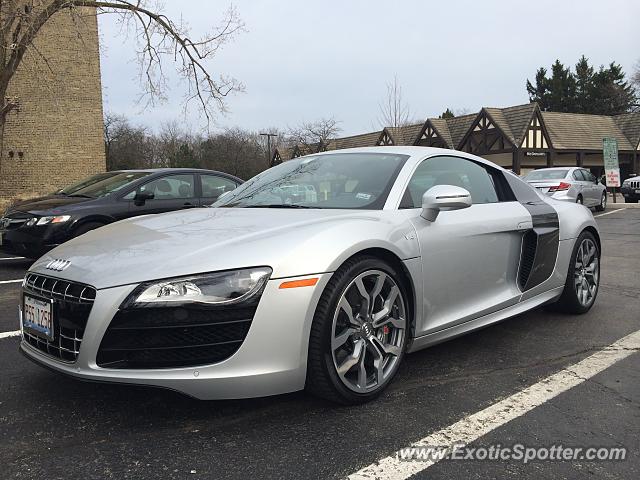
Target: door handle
528, 225
187, 205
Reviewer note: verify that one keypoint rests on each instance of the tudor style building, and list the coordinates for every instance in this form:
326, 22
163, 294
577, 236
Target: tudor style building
520, 138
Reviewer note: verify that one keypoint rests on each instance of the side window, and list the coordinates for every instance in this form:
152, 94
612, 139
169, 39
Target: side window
588, 176
577, 175
450, 171
171, 187
214, 186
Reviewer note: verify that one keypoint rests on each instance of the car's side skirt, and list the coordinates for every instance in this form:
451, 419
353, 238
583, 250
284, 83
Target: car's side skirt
484, 321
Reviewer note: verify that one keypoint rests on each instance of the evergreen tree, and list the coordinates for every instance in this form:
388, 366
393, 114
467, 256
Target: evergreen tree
447, 114
604, 92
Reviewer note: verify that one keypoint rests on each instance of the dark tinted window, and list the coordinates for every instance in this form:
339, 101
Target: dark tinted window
455, 171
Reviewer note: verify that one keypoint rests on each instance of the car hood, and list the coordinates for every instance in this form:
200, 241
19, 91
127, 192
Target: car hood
54, 204
292, 242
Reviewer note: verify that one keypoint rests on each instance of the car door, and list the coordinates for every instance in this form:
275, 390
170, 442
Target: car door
469, 257
212, 186
592, 186
171, 192
586, 189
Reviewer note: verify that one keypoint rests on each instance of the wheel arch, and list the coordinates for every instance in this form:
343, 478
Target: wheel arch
104, 219
594, 232
393, 259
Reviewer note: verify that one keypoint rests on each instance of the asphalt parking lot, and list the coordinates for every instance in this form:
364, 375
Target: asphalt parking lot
55, 427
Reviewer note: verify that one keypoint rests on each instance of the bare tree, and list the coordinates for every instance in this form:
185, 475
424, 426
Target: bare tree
394, 112
314, 136
635, 82
158, 39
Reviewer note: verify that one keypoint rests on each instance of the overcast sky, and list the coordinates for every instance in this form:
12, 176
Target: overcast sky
302, 60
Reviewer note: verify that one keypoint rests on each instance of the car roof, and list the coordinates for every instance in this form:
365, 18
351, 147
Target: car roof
416, 154
176, 170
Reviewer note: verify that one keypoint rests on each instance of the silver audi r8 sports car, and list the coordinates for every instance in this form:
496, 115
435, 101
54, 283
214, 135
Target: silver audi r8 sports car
317, 274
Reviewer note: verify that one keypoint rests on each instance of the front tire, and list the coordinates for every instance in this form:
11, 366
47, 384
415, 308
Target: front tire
583, 277
359, 332
603, 203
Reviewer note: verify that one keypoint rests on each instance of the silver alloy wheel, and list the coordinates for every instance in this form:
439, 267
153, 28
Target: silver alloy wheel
604, 200
587, 272
579, 200
368, 332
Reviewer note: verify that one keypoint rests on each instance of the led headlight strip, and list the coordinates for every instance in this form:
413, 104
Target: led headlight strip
214, 289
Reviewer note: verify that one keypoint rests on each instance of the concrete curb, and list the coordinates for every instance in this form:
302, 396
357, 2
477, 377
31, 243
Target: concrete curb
615, 206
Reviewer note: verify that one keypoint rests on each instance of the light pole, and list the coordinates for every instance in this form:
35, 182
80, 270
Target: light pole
269, 135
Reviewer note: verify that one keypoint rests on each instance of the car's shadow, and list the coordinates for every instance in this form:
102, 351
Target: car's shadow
511, 347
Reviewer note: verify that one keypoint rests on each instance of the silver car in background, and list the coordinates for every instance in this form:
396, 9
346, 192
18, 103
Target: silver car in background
570, 184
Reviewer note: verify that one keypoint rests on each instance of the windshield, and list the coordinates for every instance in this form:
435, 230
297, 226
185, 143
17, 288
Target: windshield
340, 180
84, 182
103, 184
546, 175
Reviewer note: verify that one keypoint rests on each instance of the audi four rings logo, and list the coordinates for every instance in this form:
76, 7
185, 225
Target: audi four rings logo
58, 264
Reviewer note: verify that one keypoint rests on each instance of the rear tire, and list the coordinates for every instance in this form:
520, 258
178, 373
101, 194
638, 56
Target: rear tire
579, 200
358, 341
603, 203
583, 276
87, 227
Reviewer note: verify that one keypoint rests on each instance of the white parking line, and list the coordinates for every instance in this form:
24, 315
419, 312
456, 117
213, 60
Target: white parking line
10, 281
475, 426
10, 334
11, 258
608, 213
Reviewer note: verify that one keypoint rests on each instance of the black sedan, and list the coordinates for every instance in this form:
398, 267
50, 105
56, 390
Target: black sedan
33, 227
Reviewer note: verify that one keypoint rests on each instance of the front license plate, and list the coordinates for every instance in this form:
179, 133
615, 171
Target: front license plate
37, 316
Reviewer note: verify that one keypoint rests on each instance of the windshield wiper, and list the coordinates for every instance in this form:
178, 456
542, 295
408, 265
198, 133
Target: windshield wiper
281, 205
79, 195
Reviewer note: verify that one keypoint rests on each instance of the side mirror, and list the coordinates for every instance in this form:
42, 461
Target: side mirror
142, 196
443, 197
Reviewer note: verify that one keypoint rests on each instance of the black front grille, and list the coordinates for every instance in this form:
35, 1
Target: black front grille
71, 307
529, 245
168, 337
15, 220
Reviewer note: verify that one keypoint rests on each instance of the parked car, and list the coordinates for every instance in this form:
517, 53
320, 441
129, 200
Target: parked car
33, 227
572, 184
630, 189
404, 248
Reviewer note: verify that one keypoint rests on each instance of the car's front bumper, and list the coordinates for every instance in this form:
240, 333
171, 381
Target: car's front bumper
630, 193
271, 360
33, 241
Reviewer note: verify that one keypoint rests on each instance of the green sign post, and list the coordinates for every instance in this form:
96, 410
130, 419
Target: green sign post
611, 165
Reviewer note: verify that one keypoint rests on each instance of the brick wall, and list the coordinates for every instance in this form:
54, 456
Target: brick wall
56, 136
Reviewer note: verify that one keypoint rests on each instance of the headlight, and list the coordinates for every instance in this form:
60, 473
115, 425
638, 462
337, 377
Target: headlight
53, 219
214, 289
